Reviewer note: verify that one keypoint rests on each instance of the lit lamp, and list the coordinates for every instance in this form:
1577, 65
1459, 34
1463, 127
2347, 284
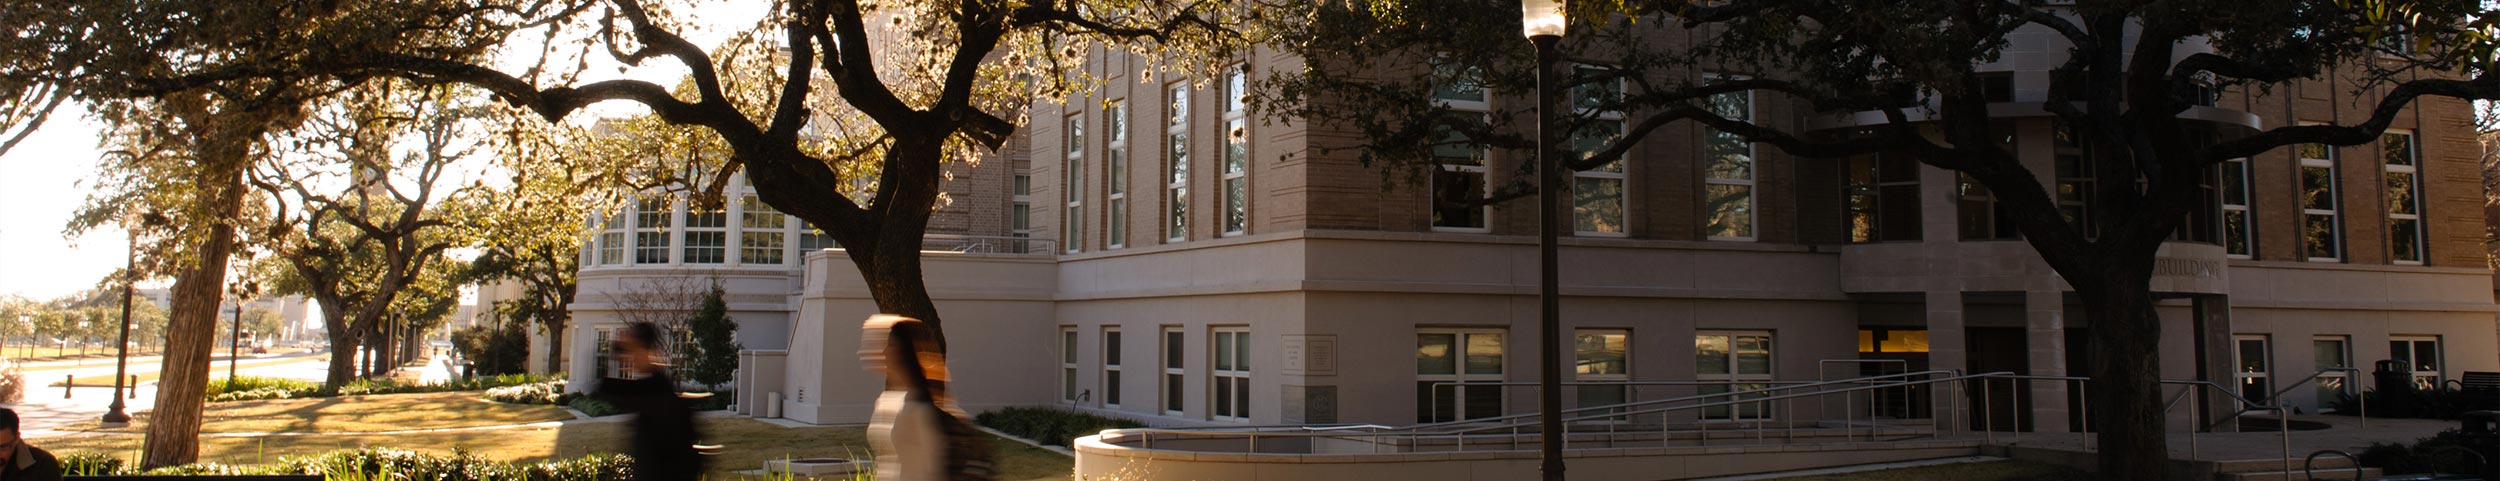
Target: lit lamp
1543, 22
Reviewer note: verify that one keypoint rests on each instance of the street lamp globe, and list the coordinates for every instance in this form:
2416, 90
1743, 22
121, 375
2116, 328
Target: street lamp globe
1541, 18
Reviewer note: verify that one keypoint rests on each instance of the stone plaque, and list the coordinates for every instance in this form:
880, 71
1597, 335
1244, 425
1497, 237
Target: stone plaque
1309, 404
1310, 355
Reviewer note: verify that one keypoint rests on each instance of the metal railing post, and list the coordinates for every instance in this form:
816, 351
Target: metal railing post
2286, 424
2084, 389
2196, 419
2019, 410
1849, 416
1988, 409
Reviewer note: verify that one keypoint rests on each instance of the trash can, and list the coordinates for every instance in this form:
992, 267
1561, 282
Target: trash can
2482, 436
2393, 380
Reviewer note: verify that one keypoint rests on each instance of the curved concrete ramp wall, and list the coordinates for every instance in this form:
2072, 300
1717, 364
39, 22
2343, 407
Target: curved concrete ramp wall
1098, 460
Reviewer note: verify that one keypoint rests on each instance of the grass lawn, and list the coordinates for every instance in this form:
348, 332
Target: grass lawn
23, 352
746, 444
382, 412
1984, 471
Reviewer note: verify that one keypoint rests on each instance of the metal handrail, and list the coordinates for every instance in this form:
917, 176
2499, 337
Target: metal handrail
2309, 467
1677, 399
1736, 402
1435, 403
1416, 432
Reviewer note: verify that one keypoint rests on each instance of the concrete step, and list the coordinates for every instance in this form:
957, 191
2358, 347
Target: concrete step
2324, 474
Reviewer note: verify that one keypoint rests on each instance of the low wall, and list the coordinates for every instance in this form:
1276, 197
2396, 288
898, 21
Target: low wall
1096, 459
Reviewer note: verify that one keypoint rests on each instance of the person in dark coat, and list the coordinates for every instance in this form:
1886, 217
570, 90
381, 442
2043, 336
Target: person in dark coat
20, 461
664, 432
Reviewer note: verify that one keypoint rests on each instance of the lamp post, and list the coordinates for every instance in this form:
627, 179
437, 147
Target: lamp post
1542, 21
114, 417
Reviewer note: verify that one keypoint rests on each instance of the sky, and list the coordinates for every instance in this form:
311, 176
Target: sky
44, 179
42, 182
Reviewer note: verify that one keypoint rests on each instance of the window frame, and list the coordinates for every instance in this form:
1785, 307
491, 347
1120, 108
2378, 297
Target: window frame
2302, 162
1428, 408
1110, 345
1234, 380
2241, 375
1176, 160
1115, 174
2341, 379
2413, 346
754, 219
1072, 220
1753, 170
1068, 365
1735, 374
1236, 156
1613, 172
1482, 106
1580, 396
1175, 370
687, 247
2412, 168
666, 233
2247, 233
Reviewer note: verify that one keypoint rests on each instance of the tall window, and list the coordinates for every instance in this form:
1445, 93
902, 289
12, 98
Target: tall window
1020, 208
1604, 355
1075, 192
612, 238
707, 235
2404, 198
1978, 216
1597, 194
1232, 374
761, 232
1728, 171
1176, 163
1883, 198
1738, 361
2255, 371
1111, 366
1175, 375
2322, 237
2422, 354
2075, 179
1067, 364
2239, 238
1445, 360
1115, 182
1458, 176
2332, 352
652, 222
1236, 153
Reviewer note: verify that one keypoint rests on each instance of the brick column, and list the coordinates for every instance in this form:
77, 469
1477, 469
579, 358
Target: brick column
2045, 318
1946, 351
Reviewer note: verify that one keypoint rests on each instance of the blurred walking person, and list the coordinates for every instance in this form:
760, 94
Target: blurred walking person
917, 433
663, 424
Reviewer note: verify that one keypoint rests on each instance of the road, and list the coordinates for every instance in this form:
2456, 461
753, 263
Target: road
45, 410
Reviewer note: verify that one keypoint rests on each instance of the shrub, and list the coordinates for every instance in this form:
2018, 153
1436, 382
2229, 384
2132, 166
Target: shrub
12, 383
2441, 453
493, 350
593, 407
2440, 403
550, 392
1050, 426
91, 464
387, 463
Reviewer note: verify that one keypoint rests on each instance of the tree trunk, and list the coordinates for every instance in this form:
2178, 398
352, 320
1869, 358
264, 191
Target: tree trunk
2126, 379
342, 360
182, 390
555, 348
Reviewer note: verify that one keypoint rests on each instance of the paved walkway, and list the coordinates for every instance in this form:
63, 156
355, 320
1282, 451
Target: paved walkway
45, 410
